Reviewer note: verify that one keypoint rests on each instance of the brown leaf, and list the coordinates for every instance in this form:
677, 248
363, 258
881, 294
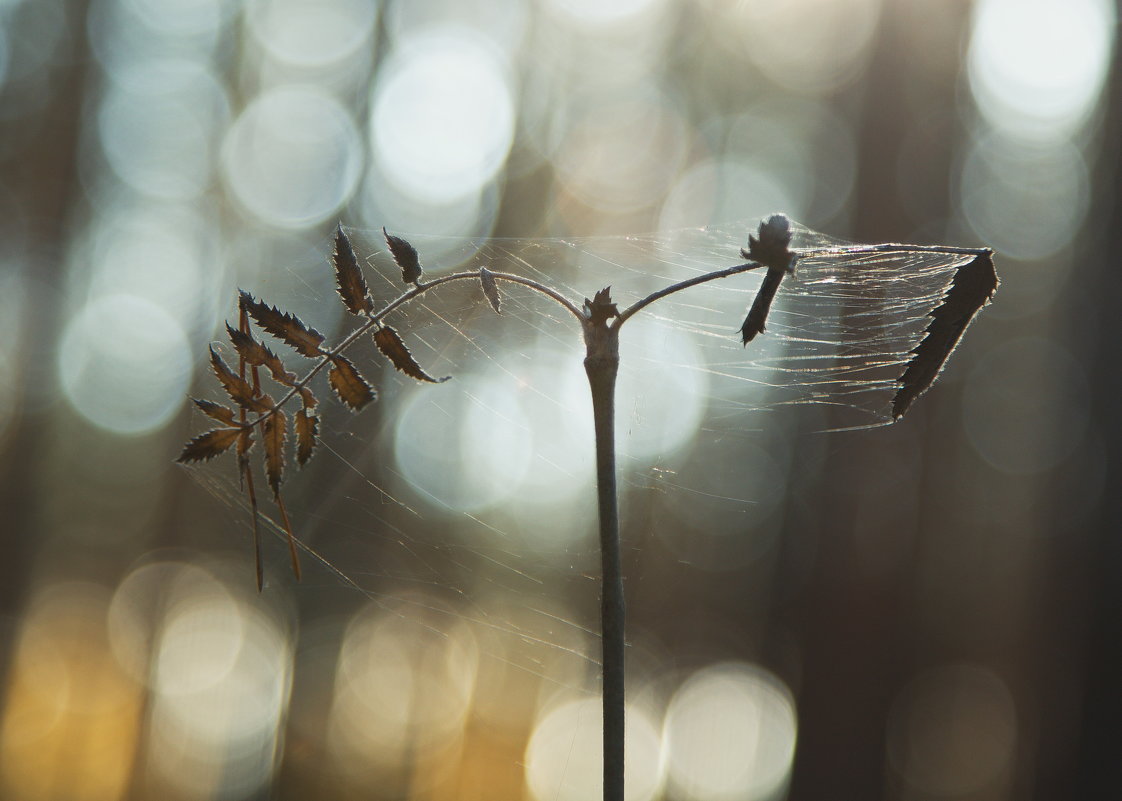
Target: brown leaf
258, 354
394, 349
207, 446
406, 257
307, 427
348, 276
349, 384
490, 288
236, 387
275, 427
284, 326
972, 288
216, 411
310, 401
757, 315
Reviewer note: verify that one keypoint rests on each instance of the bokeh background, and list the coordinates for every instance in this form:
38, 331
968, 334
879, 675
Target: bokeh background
928, 610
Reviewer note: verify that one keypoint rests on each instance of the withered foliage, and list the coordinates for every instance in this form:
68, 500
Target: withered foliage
490, 289
254, 410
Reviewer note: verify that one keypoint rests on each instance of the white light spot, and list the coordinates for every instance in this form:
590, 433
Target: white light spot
293, 157
730, 734
564, 759
1037, 66
443, 116
662, 393
124, 364
312, 34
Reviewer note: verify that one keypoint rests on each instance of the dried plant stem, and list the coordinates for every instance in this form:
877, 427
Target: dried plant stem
601, 365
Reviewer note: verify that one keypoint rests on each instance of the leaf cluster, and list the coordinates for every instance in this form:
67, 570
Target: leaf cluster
254, 415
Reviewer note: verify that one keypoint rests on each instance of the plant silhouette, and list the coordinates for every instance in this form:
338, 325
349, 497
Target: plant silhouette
258, 416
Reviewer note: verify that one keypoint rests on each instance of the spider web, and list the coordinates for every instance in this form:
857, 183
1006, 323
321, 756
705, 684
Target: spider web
472, 503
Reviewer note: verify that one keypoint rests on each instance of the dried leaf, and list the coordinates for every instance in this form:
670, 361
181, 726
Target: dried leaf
394, 349
349, 384
757, 315
207, 446
237, 388
600, 309
348, 276
284, 326
490, 288
972, 288
307, 428
406, 257
310, 401
258, 354
216, 411
275, 427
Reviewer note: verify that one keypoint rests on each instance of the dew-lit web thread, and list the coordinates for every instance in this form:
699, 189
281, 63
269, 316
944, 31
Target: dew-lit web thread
839, 335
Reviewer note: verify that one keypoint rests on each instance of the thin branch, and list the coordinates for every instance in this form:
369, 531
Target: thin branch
670, 290
375, 319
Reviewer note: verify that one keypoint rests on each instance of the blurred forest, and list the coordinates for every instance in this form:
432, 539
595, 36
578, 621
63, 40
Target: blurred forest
925, 610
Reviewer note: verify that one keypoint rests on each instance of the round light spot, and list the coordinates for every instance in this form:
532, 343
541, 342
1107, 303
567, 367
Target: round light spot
124, 364
1037, 67
312, 34
952, 730
442, 116
730, 734
564, 759
723, 189
464, 451
160, 139
1027, 202
293, 157
661, 396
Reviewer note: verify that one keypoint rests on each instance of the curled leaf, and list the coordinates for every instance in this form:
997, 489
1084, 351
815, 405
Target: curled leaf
284, 326
972, 288
394, 349
216, 411
275, 427
490, 288
349, 384
307, 427
258, 354
207, 446
406, 257
348, 276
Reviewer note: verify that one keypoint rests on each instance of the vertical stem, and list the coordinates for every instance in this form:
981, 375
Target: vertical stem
601, 365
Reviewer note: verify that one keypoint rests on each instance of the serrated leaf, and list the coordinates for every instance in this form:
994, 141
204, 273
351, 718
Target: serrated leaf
236, 387
392, 346
349, 384
310, 401
406, 257
490, 288
972, 288
207, 446
216, 411
275, 427
259, 355
307, 429
348, 276
601, 308
283, 325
